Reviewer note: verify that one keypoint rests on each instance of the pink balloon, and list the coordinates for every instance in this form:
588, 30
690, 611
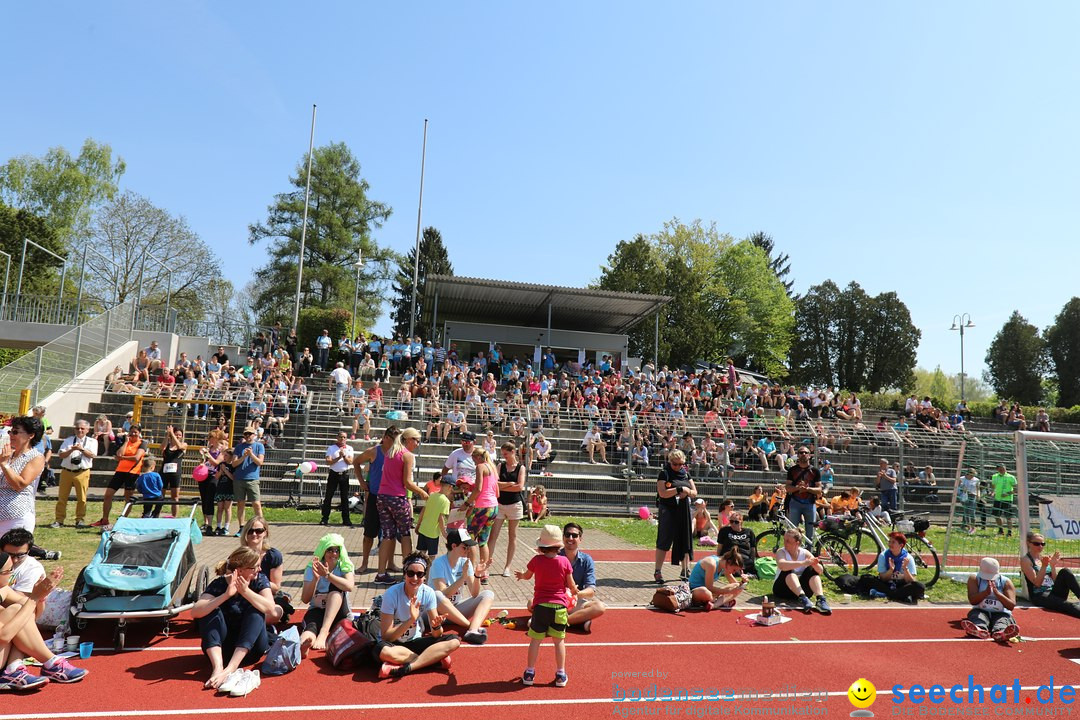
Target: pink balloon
200, 473
643, 513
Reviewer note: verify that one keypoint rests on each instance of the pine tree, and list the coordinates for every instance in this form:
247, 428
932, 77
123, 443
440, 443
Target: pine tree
434, 260
779, 264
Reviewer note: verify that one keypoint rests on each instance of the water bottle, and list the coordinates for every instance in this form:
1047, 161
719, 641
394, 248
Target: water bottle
875, 594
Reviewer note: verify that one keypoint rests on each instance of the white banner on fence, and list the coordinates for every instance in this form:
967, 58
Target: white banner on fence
1060, 518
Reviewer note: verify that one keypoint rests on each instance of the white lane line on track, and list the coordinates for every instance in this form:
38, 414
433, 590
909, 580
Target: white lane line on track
219, 710
687, 643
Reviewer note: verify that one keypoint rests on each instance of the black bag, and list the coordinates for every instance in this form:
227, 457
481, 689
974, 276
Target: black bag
848, 584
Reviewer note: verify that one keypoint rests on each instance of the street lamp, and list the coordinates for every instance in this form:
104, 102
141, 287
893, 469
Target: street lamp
961, 322
356, 292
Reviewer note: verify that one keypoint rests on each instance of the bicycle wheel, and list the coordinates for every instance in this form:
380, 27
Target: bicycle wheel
927, 564
864, 543
769, 542
837, 557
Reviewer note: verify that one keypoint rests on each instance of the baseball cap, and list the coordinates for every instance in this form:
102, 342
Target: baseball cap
460, 536
470, 436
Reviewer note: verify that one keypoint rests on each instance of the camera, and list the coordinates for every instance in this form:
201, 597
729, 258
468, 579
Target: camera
75, 457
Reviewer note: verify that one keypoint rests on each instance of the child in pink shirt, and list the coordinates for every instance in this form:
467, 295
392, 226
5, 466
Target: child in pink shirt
552, 594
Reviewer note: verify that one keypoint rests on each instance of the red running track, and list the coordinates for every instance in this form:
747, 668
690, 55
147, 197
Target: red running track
708, 651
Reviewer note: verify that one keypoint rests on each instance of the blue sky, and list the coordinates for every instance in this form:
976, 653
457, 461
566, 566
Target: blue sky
928, 149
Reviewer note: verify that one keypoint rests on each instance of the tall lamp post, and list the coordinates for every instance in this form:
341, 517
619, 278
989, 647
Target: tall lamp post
962, 322
356, 292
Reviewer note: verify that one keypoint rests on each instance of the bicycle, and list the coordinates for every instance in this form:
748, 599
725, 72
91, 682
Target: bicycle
869, 529
836, 555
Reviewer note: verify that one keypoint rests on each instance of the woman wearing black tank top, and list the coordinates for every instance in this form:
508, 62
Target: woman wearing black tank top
1048, 584
511, 502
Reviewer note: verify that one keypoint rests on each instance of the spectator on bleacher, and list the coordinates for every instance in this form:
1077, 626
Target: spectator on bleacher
141, 365
395, 509
675, 491
248, 457
339, 457
803, 490
128, 467
103, 433
1048, 583
1042, 421
541, 454
231, 615
77, 454
455, 422
153, 353
591, 443
1015, 419
305, 365
323, 345
639, 456
993, 598
903, 431
339, 382
887, 483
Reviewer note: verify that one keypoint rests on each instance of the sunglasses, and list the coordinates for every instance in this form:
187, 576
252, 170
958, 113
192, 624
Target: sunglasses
256, 531
565, 535
735, 522
1040, 544
677, 464
415, 574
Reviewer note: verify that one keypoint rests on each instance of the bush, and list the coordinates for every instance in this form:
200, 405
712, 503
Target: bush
314, 320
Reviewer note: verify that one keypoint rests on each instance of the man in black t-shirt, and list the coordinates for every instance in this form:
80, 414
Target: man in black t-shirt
803, 490
735, 535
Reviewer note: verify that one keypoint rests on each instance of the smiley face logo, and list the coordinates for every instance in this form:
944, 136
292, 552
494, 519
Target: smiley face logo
862, 693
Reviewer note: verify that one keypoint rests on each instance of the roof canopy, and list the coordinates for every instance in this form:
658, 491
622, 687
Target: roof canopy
500, 302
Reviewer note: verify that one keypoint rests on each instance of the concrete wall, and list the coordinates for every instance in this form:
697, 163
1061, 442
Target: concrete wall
592, 343
28, 335
62, 405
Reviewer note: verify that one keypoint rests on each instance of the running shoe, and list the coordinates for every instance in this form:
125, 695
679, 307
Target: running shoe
19, 679
247, 682
56, 525
823, 605
99, 523
54, 554
384, 579
974, 630
528, 677
231, 681
561, 679
805, 605
386, 670
1005, 635
63, 672
475, 637
447, 662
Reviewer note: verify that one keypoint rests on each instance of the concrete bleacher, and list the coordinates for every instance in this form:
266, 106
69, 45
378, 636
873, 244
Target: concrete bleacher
574, 483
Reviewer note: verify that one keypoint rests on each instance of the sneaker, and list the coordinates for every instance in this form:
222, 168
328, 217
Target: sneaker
805, 605
1000, 531
446, 663
721, 604
974, 630
56, 525
20, 679
823, 605
561, 679
63, 672
248, 682
237, 533
658, 577
1004, 635
100, 523
384, 579
54, 554
79, 525
506, 572
386, 670
586, 627
475, 637
231, 681
528, 677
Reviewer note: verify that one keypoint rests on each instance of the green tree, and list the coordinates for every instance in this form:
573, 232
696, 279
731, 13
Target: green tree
851, 340
725, 299
341, 219
1063, 346
131, 228
434, 260
779, 263
61, 189
40, 273
1016, 361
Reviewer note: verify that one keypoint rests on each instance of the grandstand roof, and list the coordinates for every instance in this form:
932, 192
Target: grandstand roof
500, 302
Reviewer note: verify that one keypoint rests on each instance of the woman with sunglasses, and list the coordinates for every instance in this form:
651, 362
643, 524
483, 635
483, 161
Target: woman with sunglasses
256, 535
328, 582
231, 614
675, 492
403, 647
1048, 584
21, 464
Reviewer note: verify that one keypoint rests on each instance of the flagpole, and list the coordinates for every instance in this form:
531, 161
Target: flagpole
303, 228
419, 211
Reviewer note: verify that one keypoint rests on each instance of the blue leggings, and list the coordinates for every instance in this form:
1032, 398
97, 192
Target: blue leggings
248, 630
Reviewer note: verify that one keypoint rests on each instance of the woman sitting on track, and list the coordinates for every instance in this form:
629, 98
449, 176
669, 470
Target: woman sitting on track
256, 535
232, 615
1048, 585
712, 590
896, 576
402, 647
800, 573
328, 581
993, 597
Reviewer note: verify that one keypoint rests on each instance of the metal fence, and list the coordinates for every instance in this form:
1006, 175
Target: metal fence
220, 330
51, 367
48, 309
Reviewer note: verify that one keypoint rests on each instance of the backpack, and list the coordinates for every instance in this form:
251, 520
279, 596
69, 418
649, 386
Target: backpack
284, 655
672, 598
352, 639
765, 568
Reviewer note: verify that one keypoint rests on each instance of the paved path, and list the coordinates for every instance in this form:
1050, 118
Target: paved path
618, 583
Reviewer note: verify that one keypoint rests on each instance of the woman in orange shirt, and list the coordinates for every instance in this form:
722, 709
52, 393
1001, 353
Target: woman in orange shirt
129, 465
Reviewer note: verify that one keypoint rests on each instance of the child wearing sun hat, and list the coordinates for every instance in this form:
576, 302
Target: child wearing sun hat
552, 593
